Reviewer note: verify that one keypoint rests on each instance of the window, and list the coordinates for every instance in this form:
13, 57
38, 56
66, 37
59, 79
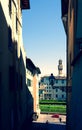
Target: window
56, 96
28, 82
56, 81
62, 96
16, 23
12, 78
62, 81
21, 81
9, 38
10, 7
56, 90
42, 80
63, 89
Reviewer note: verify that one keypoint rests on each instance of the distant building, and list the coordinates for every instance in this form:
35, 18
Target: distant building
32, 81
53, 87
58, 92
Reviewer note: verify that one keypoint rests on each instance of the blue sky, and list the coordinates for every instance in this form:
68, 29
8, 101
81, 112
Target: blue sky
43, 35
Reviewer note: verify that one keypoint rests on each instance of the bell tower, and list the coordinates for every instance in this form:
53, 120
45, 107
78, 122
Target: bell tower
60, 67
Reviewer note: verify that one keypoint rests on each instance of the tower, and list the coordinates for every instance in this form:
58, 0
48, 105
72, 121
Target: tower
60, 67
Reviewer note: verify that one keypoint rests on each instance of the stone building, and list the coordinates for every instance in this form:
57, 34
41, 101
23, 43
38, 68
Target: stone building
13, 100
32, 81
53, 87
72, 21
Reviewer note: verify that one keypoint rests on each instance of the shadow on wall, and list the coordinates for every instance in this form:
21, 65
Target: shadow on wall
27, 97
16, 101
3, 96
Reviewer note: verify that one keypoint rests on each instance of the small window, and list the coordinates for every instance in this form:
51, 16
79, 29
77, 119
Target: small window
28, 82
62, 81
62, 96
63, 89
56, 96
21, 81
10, 7
56, 81
9, 38
56, 90
12, 78
42, 80
16, 23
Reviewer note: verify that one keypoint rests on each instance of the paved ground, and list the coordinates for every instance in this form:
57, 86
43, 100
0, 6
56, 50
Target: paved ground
44, 117
41, 124
48, 126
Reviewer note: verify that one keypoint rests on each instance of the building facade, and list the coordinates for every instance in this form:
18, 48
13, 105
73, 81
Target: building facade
72, 19
32, 81
57, 92
53, 87
13, 107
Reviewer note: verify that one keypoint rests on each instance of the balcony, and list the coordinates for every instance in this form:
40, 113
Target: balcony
25, 4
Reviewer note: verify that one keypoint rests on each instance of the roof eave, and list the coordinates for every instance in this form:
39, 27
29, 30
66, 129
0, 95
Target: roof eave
25, 4
64, 10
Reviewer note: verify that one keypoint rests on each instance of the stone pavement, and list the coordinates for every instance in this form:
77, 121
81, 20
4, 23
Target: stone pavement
41, 124
46, 126
44, 117
50, 126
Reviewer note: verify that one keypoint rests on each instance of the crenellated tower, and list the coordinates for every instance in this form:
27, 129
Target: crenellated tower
60, 67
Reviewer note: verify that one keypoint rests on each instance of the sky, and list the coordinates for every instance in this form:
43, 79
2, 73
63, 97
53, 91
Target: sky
44, 37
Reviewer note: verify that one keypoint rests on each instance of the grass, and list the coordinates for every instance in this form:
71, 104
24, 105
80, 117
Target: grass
53, 108
52, 102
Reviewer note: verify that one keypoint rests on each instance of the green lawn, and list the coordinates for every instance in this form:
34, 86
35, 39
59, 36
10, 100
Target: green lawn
58, 102
53, 108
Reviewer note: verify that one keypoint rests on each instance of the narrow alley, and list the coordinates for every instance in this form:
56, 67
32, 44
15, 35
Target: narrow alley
40, 65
